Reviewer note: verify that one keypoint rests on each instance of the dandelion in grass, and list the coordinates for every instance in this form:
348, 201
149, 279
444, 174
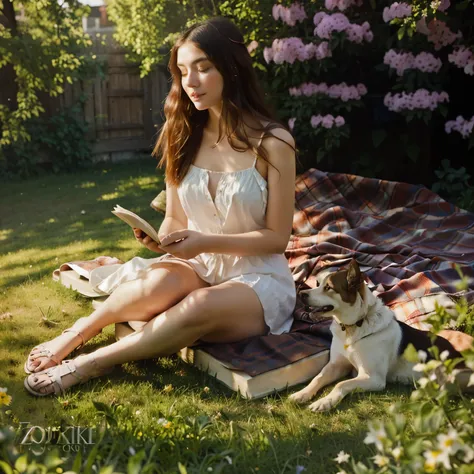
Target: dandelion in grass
434, 457
376, 435
4, 398
168, 388
342, 457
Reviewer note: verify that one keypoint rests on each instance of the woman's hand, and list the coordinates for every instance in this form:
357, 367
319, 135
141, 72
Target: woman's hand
184, 243
147, 241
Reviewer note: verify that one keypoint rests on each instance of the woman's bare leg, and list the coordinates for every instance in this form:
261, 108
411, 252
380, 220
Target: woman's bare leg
160, 287
224, 313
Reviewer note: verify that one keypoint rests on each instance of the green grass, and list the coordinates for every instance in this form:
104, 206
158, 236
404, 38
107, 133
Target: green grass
54, 219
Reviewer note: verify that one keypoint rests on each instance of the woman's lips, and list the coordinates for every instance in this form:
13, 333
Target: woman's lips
196, 97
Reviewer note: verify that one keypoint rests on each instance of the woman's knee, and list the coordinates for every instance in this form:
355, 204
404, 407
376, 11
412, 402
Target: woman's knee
201, 307
161, 280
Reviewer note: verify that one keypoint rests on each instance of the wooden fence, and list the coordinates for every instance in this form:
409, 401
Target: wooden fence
122, 110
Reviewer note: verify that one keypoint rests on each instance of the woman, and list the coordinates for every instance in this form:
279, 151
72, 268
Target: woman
230, 173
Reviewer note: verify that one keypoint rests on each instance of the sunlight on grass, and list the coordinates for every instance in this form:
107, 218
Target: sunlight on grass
5, 233
267, 434
109, 197
87, 185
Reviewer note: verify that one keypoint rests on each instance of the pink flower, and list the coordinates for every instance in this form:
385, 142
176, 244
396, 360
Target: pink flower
460, 125
337, 22
339, 121
268, 54
291, 123
420, 99
289, 15
396, 10
327, 121
316, 120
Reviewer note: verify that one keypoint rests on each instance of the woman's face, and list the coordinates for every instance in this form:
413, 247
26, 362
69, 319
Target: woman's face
199, 77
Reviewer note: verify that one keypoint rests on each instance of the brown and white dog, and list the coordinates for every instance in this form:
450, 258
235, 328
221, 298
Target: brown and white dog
366, 337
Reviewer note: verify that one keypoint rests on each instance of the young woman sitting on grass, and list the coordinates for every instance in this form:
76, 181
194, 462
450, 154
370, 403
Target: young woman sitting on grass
230, 174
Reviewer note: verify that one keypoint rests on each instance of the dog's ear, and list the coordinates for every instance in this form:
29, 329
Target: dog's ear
354, 277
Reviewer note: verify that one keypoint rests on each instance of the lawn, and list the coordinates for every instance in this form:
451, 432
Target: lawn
160, 412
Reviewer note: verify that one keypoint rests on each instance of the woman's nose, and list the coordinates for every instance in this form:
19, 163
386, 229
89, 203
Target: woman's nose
191, 80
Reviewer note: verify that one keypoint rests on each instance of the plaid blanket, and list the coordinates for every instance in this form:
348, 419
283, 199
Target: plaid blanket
406, 239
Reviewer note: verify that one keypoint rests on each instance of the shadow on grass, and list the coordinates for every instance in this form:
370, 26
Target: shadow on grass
46, 217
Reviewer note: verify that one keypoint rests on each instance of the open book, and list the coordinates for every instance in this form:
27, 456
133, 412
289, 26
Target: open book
248, 386
77, 274
134, 220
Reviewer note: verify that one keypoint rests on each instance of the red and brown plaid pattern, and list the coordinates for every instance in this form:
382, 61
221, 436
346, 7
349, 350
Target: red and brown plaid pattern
406, 239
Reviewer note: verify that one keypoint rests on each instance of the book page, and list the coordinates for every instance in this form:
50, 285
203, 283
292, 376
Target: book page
134, 220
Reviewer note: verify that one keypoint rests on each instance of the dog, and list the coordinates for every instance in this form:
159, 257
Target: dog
366, 337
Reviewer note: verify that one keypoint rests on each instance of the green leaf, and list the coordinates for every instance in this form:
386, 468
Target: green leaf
378, 136
411, 354
6, 467
401, 33
21, 463
413, 151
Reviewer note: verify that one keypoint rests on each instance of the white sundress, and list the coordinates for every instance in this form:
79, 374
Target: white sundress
240, 206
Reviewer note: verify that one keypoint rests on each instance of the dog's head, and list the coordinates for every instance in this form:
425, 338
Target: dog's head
336, 295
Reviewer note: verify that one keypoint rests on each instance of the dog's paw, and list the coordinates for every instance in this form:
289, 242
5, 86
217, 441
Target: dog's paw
300, 397
323, 404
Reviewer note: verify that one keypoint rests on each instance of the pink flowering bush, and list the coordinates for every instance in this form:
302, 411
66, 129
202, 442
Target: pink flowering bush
289, 15
396, 10
402, 61
382, 69
326, 25
463, 58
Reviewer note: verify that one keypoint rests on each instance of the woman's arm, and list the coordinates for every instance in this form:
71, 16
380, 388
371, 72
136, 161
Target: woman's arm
280, 206
175, 218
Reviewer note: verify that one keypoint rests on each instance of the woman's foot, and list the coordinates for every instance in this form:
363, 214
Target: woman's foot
51, 353
57, 380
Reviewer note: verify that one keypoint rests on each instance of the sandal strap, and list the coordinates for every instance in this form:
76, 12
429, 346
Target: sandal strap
44, 352
67, 367
77, 333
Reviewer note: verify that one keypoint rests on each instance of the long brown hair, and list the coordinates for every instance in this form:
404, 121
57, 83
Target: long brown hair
181, 134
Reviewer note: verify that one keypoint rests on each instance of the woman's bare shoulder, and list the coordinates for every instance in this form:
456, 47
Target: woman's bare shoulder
276, 135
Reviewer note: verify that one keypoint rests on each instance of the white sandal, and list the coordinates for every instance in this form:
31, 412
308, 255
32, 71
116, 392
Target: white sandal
45, 352
55, 374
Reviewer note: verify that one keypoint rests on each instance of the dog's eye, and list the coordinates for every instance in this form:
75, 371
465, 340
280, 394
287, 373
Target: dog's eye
327, 288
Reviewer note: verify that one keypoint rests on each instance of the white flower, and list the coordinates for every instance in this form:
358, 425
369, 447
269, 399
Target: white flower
137, 412
131, 451
444, 355
423, 382
434, 457
422, 355
469, 454
450, 442
342, 457
376, 436
209, 469
381, 461
4, 390
228, 459
162, 421
419, 367
397, 453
